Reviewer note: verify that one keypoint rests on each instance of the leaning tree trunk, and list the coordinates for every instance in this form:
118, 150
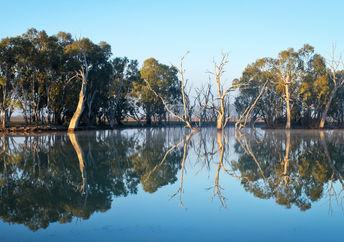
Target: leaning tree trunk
83, 74
324, 114
81, 158
74, 123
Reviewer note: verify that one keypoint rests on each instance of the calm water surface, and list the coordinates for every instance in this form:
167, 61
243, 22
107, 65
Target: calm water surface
170, 185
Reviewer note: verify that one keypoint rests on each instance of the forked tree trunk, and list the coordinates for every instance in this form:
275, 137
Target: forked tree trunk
324, 114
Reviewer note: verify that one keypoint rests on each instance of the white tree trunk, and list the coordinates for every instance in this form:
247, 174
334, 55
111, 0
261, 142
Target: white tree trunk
83, 74
324, 114
74, 123
81, 159
287, 99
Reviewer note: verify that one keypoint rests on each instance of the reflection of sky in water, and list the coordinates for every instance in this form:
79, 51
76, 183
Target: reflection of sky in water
153, 217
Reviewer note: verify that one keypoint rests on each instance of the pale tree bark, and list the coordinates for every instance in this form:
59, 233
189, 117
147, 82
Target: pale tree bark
218, 72
287, 100
337, 82
4, 94
324, 114
83, 75
3, 119
245, 116
286, 159
186, 143
81, 158
217, 188
185, 117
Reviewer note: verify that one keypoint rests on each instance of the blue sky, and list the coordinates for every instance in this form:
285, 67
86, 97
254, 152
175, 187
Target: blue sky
165, 30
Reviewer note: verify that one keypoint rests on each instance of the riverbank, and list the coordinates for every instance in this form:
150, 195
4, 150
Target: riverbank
18, 128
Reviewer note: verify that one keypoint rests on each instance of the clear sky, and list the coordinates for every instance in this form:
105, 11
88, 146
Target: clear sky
165, 29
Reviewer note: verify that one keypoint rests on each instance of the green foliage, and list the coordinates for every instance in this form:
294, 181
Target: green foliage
40, 178
305, 177
162, 79
309, 88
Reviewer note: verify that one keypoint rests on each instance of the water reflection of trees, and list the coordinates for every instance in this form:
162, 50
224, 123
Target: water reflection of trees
56, 178
295, 169
45, 179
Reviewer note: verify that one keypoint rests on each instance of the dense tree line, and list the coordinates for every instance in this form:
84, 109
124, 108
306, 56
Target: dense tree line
56, 79
301, 88
38, 77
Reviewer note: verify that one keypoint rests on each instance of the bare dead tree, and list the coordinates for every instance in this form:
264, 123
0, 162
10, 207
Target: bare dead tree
336, 174
338, 81
217, 188
204, 97
246, 115
180, 190
218, 72
186, 105
245, 144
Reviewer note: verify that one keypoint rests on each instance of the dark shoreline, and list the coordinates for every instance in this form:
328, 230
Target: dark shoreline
50, 128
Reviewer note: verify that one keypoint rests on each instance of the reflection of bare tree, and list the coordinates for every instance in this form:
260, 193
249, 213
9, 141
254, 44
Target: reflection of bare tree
81, 159
206, 148
336, 175
243, 141
217, 188
180, 190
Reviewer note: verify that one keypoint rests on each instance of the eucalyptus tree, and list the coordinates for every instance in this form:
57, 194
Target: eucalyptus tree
125, 74
269, 106
37, 62
164, 81
286, 71
314, 90
7, 76
62, 98
296, 86
23, 74
222, 94
337, 78
188, 109
77, 49
100, 79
